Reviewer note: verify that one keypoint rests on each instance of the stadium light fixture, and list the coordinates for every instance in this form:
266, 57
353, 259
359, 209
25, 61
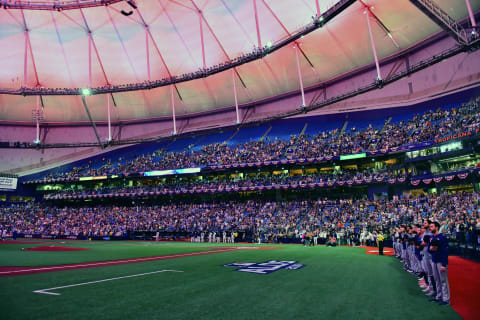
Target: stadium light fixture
86, 92
269, 44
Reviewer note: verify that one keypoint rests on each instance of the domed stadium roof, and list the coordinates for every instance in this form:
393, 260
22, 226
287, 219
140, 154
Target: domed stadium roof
88, 44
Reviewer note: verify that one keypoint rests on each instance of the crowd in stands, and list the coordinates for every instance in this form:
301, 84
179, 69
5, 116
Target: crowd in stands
353, 221
225, 183
422, 127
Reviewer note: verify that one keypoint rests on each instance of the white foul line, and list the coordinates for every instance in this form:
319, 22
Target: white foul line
115, 262
45, 291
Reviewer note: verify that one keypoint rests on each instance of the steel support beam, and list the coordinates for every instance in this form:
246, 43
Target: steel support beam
60, 41
108, 118
372, 42
91, 44
181, 5
122, 43
219, 44
235, 94
256, 24
247, 35
130, 62
92, 122
53, 5
177, 31
149, 34
37, 119
25, 60
37, 82
172, 101
185, 44
442, 19
200, 21
380, 24
289, 34
317, 4
28, 46
472, 16
147, 48
89, 59
299, 69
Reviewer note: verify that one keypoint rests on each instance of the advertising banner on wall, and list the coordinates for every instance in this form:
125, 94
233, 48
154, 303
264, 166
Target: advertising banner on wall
8, 184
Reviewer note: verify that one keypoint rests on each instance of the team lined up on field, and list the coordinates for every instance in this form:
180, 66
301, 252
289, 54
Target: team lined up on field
424, 251
214, 237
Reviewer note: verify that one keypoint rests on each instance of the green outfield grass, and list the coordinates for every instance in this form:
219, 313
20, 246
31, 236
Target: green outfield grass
336, 283
12, 255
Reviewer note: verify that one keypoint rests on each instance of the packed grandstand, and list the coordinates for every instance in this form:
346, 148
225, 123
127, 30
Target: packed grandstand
352, 222
390, 136
318, 185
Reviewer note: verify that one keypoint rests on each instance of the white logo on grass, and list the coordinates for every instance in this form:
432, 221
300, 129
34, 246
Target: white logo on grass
265, 267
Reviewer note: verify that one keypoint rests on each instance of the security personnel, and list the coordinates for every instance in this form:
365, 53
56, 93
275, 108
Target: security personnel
380, 239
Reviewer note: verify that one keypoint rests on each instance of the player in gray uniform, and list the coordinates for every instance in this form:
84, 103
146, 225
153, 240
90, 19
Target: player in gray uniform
404, 246
439, 251
399, 242
427, 259
418, 250
411, 251
396, 241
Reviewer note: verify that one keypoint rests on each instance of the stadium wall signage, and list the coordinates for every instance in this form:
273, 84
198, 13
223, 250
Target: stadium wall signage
265, 267
8, 184
457, 136
93, 178
171, 172
353, 156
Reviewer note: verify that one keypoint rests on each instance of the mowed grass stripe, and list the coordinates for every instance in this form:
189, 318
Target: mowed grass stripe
337, 283
12, 255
